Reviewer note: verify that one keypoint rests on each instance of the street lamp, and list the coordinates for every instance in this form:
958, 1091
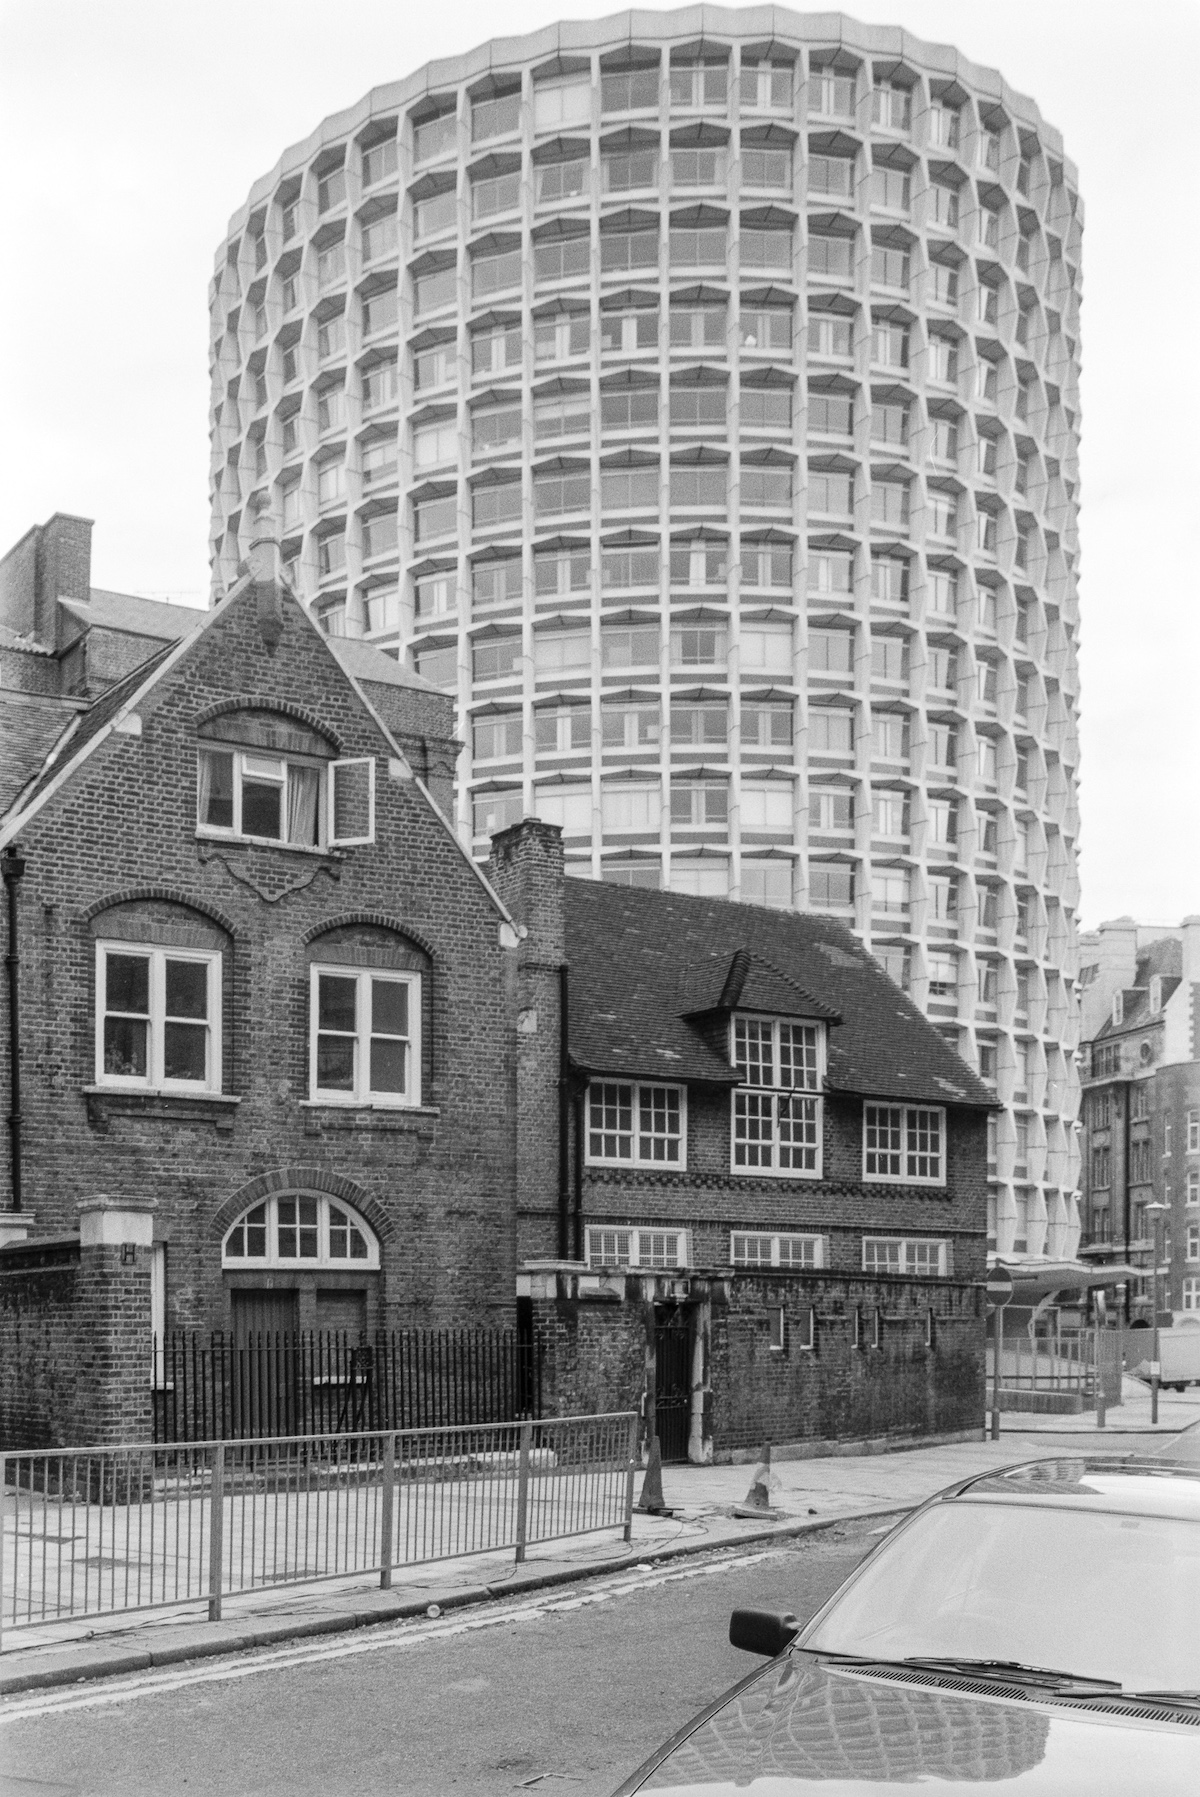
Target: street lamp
1154, 1210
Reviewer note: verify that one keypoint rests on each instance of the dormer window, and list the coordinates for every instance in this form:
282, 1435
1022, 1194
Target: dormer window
1155, 994
777, 1108
1118, 1008
282, 789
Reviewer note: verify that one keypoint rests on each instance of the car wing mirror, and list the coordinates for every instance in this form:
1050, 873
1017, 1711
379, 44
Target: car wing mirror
767, 1632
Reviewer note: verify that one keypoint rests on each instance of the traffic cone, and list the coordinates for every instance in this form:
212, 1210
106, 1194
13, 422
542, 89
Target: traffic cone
757, 1501
651, 1501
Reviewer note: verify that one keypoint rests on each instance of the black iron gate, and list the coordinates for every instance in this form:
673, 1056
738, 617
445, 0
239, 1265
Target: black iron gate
672, 1381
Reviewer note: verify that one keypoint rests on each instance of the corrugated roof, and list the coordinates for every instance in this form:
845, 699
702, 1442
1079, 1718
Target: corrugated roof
639, 960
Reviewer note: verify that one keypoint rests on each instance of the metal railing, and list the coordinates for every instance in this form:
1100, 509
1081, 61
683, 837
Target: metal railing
1061, 1360
98, 1531
330, 1381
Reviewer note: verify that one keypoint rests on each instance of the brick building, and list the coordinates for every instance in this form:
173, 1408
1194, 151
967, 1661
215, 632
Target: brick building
288, 1060
1141, 1110
262, 987
771, 1204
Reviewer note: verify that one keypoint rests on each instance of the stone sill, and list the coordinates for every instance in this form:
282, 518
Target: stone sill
416, 1119
214, 840
217, 1108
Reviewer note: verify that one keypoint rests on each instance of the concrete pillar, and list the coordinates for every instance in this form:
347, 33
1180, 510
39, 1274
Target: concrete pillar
15, 1226
113, 1399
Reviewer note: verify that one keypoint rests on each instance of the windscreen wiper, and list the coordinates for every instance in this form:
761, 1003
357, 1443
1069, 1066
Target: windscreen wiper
1063, 1683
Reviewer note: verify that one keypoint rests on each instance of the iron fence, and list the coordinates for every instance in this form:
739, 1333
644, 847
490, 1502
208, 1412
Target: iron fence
329, 1381
98, 1531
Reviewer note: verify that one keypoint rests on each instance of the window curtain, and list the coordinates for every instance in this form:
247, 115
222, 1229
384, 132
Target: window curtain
303, 788
203, 785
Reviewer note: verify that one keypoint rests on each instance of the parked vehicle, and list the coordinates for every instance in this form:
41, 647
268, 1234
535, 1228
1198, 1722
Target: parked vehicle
1036, 1628
1178, 1357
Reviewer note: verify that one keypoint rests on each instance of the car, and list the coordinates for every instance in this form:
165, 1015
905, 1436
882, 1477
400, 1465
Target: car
1032, 1629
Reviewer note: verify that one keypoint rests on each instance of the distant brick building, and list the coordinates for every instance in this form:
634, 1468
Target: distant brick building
771, 1209
1141, 1109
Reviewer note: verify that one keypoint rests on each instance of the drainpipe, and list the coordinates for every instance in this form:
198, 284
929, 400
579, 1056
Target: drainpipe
564, 1119
12, 866
1127, 1100
578, 1175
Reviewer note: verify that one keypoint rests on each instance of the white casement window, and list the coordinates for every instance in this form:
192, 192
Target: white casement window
636, 1125
158, 1018
905, 1143
1193, 1124
777, 1112
920, 1258
273, 798
663, 1249
301, 1229
364, 1037
802, 1252
1190, 1298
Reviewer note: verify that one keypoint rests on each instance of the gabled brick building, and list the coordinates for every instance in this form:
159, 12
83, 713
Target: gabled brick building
772, 1170
262, 987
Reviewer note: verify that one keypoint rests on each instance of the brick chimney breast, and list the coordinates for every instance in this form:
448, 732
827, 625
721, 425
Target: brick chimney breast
526, 868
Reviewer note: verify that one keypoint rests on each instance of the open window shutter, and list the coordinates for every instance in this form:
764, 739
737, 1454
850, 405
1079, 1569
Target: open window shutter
352, 801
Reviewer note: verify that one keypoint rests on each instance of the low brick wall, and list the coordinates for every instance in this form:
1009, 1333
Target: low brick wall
894, 1382
39, 1344
891, 1358
75, 1349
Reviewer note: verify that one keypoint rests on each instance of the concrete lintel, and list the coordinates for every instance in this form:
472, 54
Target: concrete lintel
109, 1221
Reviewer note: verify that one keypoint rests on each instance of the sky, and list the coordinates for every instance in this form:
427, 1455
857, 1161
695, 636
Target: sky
130, 131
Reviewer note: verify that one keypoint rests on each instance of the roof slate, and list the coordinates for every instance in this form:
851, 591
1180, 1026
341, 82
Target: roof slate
134, 616
365, 662
639, 960
90, 723
30, 725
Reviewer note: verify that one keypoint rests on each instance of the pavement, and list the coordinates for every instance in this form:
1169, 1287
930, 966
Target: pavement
807, 1494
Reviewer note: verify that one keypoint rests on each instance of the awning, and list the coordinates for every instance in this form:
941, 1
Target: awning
1036, 1277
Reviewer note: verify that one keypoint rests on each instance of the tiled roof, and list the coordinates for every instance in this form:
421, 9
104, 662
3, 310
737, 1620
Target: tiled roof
640, 960
1136, 1012
11, 639
90, 722
30, 725
134, 616
365, 662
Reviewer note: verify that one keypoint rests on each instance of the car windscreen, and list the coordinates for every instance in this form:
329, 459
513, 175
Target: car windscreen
1094, 1593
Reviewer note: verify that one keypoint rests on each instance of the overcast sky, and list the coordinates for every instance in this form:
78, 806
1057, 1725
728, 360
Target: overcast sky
132, 129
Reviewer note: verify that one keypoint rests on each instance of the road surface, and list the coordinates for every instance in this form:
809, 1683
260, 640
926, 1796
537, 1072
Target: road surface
563, 1692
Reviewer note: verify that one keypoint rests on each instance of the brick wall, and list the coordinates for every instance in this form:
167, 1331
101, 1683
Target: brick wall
595, 1356
39, 1346
75, 1345
837, 1391
901, 1376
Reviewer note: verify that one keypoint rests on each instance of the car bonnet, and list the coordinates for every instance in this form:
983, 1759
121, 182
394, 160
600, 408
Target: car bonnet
805, 1726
